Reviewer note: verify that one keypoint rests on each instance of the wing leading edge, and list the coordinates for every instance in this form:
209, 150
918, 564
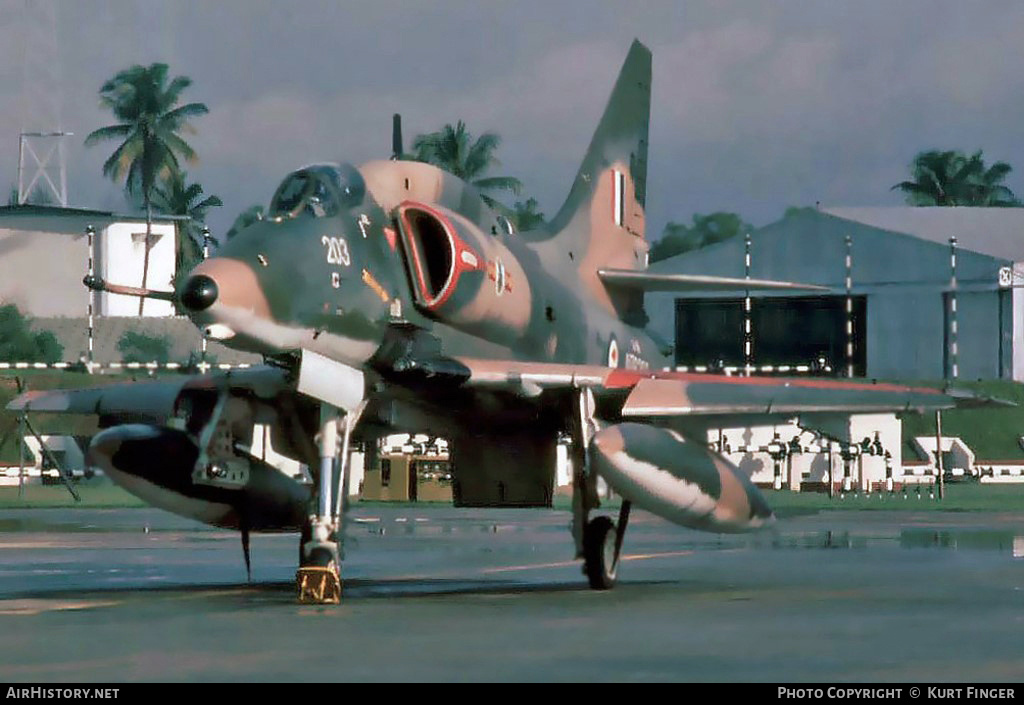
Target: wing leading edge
647, 281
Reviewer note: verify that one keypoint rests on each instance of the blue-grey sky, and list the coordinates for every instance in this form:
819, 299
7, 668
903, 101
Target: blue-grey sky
756, 105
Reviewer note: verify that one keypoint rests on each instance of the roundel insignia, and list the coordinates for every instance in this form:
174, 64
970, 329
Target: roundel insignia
613, 352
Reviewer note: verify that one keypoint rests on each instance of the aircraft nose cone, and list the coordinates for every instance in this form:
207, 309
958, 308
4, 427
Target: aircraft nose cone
199, 293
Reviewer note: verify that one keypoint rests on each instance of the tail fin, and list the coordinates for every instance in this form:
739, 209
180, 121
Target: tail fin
601, 224
614, 169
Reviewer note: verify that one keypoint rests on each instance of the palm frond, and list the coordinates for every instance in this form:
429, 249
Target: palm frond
176, 145
107, 133
500, 183
119, 163
175, 118
209, 202
177, 85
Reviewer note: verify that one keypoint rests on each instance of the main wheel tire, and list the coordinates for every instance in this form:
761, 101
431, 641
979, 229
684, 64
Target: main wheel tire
599, 553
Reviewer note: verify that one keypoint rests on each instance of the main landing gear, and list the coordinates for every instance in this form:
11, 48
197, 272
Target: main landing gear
598, 540
318, 579
602, 546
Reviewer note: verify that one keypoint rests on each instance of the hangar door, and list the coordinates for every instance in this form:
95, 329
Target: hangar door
785, 331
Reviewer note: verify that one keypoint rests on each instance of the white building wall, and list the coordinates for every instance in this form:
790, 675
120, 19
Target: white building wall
262, 448
812, 465
121, 252
41, 272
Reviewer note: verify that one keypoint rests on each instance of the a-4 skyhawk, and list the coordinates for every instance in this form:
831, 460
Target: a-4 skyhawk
391, 298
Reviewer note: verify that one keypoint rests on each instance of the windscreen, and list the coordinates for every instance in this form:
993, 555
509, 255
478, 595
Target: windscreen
320, 191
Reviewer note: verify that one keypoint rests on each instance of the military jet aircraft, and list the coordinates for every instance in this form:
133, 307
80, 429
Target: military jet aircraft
391, 298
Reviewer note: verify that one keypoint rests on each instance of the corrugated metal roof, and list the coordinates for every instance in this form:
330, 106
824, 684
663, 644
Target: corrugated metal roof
72, 221
61, 211
997, 232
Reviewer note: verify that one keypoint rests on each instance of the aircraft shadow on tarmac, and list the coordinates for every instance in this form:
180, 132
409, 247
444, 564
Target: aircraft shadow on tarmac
354, 589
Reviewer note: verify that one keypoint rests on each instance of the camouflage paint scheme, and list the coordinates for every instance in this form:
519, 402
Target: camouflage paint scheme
402, 277
551, 307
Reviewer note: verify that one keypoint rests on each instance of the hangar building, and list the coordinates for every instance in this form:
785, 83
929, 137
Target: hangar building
900, 288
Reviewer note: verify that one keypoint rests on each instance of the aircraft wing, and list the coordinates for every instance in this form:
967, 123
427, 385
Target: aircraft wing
155, 398
657, 395
633, 394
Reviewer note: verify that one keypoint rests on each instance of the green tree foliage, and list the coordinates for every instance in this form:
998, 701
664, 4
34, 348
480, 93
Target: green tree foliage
792, 211
177, 197
250, 215
454, 150
954, 179
139, 347
149, 118
19, 344
525, 216
706, 230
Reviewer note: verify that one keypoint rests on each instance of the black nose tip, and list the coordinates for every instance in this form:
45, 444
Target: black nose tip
199, 293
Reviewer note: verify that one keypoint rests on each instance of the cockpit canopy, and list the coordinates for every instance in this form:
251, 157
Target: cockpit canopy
321, 190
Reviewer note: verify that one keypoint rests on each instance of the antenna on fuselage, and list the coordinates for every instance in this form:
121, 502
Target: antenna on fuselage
396, 137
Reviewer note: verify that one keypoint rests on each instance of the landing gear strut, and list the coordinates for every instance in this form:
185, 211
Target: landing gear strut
318, 579
598, 540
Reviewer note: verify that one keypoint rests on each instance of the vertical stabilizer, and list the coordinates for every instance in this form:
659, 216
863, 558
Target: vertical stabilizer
601, 223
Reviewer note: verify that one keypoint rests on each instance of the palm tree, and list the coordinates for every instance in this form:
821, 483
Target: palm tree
250, 215
146, 106
526, 216
177, 197
454, 150
953, 179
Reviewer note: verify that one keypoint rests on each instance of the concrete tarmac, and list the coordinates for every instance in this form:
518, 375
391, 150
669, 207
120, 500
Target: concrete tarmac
434, 593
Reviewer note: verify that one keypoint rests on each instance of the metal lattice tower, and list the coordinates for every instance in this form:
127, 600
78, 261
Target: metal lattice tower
42, 159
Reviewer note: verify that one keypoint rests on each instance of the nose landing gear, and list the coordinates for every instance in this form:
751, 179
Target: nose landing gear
318, 579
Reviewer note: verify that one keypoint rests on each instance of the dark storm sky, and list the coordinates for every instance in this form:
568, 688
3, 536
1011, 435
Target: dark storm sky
756, 106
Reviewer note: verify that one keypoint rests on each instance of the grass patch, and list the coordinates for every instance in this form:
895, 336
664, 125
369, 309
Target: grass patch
990, 432
95, 495
964, 497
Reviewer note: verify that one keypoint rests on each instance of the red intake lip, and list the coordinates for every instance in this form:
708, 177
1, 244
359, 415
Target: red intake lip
463, 256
